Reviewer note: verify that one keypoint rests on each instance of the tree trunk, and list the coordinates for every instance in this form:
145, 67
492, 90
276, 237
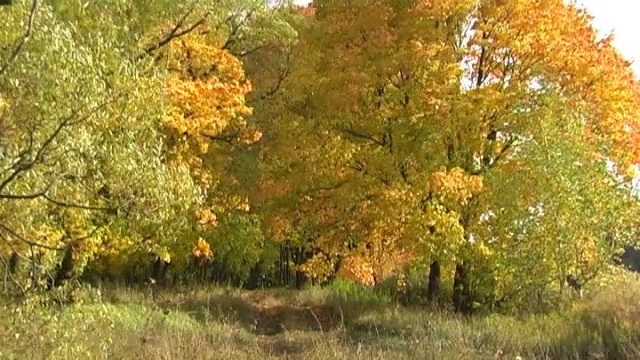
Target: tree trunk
462, 302
434, 285
159, 270
65, 270
12, 265
299, 259
255, 273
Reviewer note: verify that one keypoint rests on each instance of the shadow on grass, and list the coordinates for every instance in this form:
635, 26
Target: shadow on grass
259, 316
220, 308
261, 312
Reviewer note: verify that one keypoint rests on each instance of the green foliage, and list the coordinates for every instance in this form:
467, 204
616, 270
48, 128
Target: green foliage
85, 154
84, 157
238, 242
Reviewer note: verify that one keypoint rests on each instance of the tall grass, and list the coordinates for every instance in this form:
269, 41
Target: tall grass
343, 321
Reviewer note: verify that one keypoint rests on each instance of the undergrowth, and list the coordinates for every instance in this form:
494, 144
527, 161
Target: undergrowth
343, 321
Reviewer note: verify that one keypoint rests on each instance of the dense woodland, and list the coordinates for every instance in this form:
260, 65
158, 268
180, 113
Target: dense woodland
478, 153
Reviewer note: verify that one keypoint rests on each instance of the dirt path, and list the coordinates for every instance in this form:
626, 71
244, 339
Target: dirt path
277, 322
274, 315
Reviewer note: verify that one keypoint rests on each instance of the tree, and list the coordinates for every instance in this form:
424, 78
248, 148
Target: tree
95, 171
74, 183
408, 113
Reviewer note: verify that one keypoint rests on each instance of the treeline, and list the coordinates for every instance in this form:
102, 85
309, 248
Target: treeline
487, 147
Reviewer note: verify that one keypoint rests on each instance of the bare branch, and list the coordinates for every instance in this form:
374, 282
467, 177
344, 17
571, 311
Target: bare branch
76, 206
23, 166
235, 25
282, 76
249, 51
44, 195
315, 189
32, 195
176, 32
359, 135
26, 241
23, 39
12, 278
505, 149
224, 138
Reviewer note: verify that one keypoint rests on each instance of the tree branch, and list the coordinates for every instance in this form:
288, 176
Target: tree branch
235, 27
76, 206
19, 43
359, 135
175, 32
282, 76
22, 166
26, 241
224, 138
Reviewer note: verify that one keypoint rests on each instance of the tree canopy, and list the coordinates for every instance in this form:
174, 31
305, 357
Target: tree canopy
491, 144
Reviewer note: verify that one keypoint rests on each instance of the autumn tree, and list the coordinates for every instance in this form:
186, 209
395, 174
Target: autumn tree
404, 115
114, 151
81, 154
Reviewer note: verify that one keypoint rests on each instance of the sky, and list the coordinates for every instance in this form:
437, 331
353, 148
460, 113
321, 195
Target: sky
619, 16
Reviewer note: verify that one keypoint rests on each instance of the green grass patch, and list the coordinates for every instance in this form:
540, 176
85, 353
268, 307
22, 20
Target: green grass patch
343, 321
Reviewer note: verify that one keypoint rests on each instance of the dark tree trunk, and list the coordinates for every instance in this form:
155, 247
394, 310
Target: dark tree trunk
300, 256
159, 270
287, 273
283, 266
434, 285
255, 274
65, 269
12, 266
461, 293
200, 267
338, 265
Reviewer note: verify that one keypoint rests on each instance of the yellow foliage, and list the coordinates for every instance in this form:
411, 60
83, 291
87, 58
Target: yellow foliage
3, 104
113, 252
251, 137
319, 267
206, 218
358, 269
633, 171
279, 227
244, 205
46, 235
207, 88
163, 253
455, 185
379, 257
201, 249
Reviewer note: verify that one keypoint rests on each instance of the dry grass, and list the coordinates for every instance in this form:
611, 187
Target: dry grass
218, 323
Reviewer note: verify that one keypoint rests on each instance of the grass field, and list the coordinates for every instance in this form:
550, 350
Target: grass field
219, 323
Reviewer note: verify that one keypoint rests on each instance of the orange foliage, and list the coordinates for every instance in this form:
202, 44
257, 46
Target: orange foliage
207, 218
369, 270
358, 269
201, 250
208, 89
557, 42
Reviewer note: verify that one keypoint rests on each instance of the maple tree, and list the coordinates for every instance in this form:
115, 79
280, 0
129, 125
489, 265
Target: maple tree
411, 113
491, 142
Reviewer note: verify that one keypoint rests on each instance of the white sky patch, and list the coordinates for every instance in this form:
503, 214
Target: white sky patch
621, 18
